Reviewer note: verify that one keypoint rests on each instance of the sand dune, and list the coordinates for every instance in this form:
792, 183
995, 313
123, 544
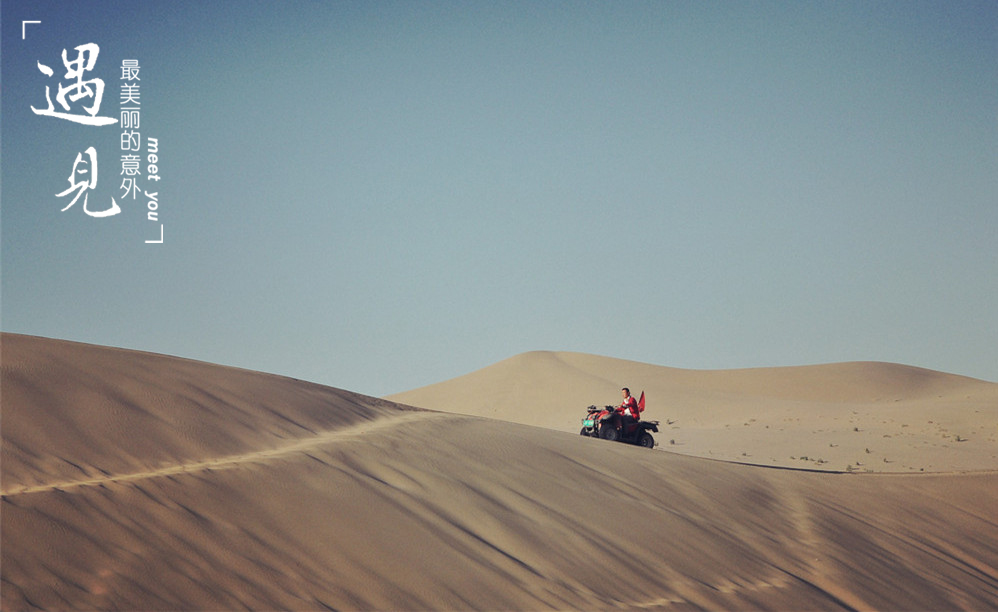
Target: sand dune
138, 481
862, 416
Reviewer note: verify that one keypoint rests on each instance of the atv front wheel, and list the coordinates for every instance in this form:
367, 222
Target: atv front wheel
609, 432
585, 432
646, 440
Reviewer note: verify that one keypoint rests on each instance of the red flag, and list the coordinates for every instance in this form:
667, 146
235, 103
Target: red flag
641, 402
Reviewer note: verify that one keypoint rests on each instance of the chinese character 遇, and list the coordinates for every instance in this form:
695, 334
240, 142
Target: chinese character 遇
94, 88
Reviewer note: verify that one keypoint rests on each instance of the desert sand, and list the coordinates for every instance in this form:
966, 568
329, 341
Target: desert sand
140, 481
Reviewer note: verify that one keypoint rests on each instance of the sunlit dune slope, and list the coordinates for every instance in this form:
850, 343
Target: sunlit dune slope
359, 504
74, 410
862, 416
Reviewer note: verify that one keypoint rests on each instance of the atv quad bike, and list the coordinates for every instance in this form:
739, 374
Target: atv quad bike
601, 423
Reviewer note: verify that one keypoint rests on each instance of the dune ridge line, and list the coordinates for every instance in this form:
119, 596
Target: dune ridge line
299, 445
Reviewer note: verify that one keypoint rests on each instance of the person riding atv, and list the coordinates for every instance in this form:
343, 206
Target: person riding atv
627, 412
608, 423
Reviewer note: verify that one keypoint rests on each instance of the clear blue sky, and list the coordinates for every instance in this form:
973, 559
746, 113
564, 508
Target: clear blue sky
383, 195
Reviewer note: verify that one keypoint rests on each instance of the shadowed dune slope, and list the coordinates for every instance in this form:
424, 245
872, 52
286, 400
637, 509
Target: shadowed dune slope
845, 416
254, 491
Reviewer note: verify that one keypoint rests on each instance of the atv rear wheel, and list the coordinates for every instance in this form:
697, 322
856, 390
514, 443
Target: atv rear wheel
609, 432
646, 440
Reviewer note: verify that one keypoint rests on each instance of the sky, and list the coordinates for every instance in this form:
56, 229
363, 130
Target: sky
379, 196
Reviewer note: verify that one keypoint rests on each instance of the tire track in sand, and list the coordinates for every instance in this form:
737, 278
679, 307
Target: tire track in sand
297, 446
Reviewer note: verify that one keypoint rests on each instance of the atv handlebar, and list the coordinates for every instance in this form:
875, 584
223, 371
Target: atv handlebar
597, 409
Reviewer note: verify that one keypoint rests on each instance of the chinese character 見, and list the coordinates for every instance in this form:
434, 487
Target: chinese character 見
80, 168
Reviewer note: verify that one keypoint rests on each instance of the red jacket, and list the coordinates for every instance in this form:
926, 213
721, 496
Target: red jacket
629, 405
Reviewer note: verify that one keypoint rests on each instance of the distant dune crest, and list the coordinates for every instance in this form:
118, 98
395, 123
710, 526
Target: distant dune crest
869, 380
854, 416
